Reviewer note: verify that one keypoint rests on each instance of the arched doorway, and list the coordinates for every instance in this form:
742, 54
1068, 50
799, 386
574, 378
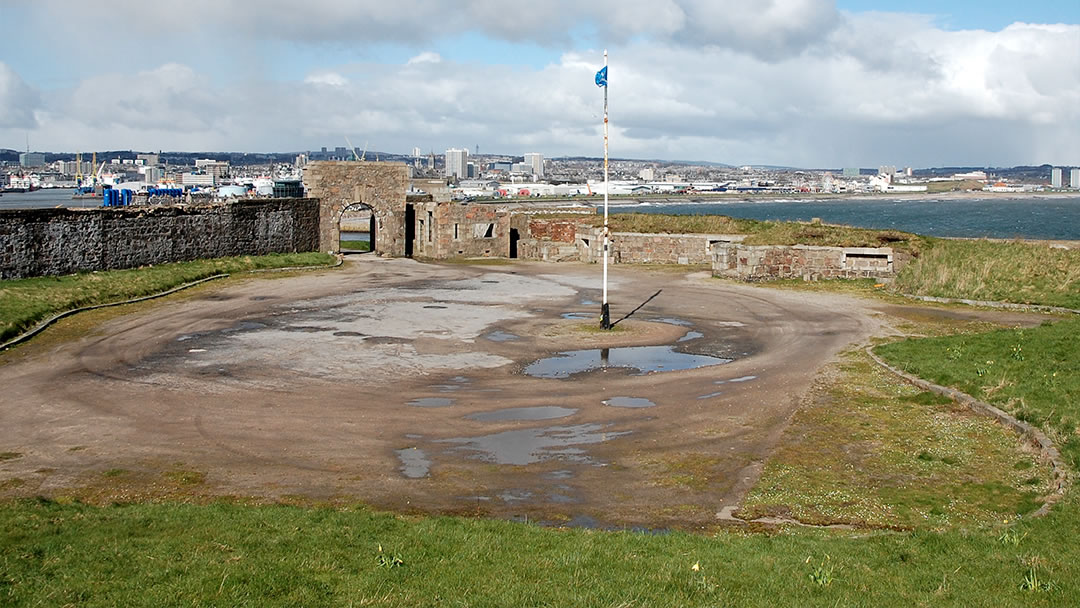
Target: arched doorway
357, 226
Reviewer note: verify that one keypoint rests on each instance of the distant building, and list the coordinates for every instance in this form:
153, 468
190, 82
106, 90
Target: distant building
1074, 178
288, 188
536, 161
1055, 177
218, 169
457, 163
198, 179
851, 172
32, 159
153, 175
416, 152
647, 174
149, 160
887, 170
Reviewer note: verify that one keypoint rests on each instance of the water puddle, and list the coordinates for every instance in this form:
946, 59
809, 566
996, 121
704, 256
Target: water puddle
588, 303
434, 306
739, 379
711, 395
515, 495
527, 446
691, 335
673, 321
541, 412
431, 402
414, 463
306, 329
644, 359
244, 326
501, 336
628, 402
577, 316
349, 334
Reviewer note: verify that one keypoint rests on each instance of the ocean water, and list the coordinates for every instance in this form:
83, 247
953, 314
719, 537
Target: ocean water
1004, 218
994, 217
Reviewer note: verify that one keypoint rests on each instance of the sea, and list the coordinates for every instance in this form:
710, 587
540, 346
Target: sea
1048, 218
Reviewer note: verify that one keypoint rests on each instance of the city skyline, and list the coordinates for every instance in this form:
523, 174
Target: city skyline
805, 83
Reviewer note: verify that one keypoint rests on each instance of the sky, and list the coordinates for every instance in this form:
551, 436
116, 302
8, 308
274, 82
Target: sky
804, 83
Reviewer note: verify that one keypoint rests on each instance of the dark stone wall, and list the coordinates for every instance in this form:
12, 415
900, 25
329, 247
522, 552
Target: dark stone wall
37, 242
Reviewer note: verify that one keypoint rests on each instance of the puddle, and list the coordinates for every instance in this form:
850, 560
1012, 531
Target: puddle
527, 446
501, 336
711, 395
673, 321
262, 298
515, 495
578, 316
561, 474
541, 412
562, 499
628, 402
307, 329
414, 463
352, 334
432, 402
588, 303
645, 359
435, 306
691, 335
245, 326
739, 379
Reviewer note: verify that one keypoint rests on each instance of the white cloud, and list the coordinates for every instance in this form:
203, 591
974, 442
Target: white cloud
17, 100
744, 82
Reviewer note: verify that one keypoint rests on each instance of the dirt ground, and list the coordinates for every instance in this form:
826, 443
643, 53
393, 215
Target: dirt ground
407, 386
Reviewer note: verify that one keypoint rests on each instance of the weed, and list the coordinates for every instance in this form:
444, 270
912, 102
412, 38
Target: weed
388, 560
10, 455
1034, 582
822, 574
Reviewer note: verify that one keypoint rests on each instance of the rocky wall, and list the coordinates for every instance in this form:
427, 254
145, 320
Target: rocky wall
39, 242
767, 262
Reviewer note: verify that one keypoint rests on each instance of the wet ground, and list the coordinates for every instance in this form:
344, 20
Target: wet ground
449, 389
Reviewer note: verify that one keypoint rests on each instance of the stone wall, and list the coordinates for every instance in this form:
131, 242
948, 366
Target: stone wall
643, 248
765, 262
37, 242
449, 230
381, 186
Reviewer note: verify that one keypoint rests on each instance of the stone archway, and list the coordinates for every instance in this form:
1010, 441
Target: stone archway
381, 186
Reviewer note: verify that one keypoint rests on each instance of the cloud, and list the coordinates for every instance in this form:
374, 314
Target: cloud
774, 82
18, 101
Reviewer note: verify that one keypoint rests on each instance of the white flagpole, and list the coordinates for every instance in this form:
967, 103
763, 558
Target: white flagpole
605, 314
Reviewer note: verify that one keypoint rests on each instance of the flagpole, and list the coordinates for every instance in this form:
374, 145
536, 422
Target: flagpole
605, 314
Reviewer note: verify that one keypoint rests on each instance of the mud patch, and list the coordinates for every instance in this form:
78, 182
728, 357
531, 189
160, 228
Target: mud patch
528, 446
432, 402
501, 336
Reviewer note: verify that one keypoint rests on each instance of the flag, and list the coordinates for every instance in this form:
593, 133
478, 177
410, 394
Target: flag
601, 77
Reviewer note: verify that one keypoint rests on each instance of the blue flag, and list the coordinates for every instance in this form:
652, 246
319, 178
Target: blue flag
601, 77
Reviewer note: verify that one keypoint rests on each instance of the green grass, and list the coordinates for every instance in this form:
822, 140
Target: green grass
872, 450
1023, 273
25, 302
232, 555
355, 245
759, 232
1032, 373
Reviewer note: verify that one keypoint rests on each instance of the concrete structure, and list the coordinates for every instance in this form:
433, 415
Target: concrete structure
1074, 178
149, 160
32, 159
1055, 177
36, 242
536, 162
345, 185
810, 263
457, 163
198, 179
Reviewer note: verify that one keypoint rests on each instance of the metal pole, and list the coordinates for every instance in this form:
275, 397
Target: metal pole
605, 313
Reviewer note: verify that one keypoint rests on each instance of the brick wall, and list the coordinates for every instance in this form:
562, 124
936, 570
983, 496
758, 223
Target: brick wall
765, 262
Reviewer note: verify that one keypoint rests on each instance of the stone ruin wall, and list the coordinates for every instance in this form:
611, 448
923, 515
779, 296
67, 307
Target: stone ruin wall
810, 263
40, 242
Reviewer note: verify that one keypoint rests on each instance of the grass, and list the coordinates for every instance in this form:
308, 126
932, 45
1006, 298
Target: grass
1032, 373
355, 245
232, 555
872, 450
953, 186
1024, 273
25, 302
758, 232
